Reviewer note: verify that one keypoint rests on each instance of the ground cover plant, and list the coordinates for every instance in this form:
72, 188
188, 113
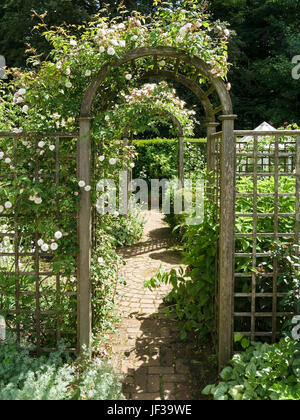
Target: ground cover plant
54, 377
262, 372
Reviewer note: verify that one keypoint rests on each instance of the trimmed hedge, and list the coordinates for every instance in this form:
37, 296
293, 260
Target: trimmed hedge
158, 158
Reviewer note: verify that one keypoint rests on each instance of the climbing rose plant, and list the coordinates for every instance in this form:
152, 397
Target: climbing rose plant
47, 96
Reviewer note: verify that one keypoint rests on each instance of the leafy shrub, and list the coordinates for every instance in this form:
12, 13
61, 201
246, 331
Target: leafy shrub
54, 377
104, 279
193, 293
262, 372
125, 230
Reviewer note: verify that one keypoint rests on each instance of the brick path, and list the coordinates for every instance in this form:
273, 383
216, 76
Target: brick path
147, 347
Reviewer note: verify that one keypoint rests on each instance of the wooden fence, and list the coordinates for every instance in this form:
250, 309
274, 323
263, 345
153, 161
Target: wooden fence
251, 296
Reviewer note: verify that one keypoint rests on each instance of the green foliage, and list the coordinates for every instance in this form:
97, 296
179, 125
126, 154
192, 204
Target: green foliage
104, 278
54, 377
261, 52
158, 158
262, 372
195, 294
125, 230
18, 20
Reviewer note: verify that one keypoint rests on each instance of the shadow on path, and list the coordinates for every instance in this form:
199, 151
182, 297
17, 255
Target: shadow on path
148, 349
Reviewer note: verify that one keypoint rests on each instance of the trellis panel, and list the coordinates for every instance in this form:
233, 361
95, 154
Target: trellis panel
271, 156
29, 288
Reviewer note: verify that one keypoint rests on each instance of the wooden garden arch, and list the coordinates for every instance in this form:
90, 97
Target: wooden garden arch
227, 170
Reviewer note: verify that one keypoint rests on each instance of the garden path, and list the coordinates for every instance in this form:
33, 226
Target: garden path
147, 348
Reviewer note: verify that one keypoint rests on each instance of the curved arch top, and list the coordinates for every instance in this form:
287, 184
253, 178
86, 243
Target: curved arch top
162, 51
189, 84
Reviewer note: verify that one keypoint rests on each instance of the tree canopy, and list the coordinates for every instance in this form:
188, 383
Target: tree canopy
267, 37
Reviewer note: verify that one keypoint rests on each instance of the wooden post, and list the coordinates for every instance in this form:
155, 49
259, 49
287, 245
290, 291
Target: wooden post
227, 228
84, 238
181, 160
211, 146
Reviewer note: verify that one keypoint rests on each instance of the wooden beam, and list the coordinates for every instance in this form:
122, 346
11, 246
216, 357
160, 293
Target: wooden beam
217, 110
177, 64
84, 239
209, 92
155, 66
181, 161
227, 228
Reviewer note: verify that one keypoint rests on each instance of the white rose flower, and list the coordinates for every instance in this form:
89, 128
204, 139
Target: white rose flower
132, 165
111, 51
1, 209
87, 188
38, 200
52, 147
100, 260
102, 49
73, 42
114, 42
101, 158
107, 118
128, 77
112, 161
8, 205
68, 71
59, 65
134, 37
8, 160
45, 247
22, 92
228, 86
81, 184
58, 235
88, 73
227, 32
54, 246
122, 43
116, 213
20, 100
121, 26
17, 130
40, 242
41, 144
1, 155
68, 85
25, 109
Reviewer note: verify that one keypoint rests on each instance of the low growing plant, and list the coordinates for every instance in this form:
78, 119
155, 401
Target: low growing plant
54, 377
262, 372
